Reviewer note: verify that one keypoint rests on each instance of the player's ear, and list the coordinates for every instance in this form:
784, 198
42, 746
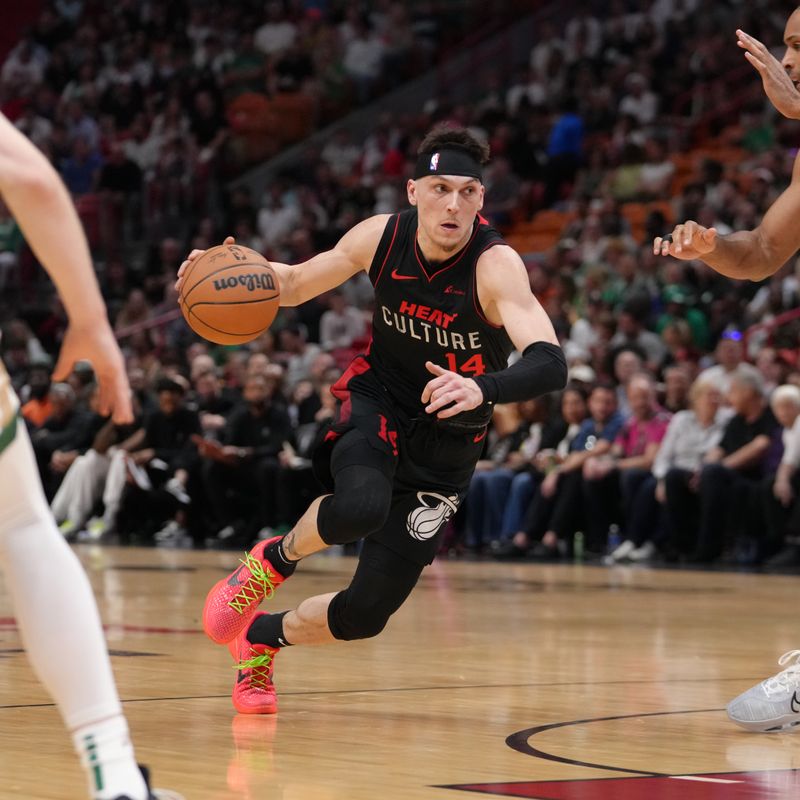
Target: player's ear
411, 190
483, 192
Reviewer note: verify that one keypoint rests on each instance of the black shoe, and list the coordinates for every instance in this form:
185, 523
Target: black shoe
789, 556
541, 552
151, 795
507, 549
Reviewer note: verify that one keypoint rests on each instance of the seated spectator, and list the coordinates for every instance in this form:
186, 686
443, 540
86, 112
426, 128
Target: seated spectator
631, 332
66, 433
159, 469
618, 487
691, 434
298, 353
729, 357
100, 473
490, 490
242, 476
709, 507
677, 386
556, 510
212, 401
37, 405
781, 543
341, 324
627, 361
547, 446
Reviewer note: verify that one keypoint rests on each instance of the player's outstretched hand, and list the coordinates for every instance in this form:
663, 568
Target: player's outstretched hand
777, 84
688, 241
98, 345
191, 257
449, 387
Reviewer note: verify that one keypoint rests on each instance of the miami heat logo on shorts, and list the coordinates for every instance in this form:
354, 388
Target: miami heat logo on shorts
423, 523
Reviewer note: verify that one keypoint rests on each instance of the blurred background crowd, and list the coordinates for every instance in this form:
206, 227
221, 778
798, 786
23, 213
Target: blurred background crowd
677, 437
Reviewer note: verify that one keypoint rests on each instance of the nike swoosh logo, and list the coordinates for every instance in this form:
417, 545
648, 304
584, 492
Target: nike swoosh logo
480, 437
795, 703
403, 277
234, 579
240, 676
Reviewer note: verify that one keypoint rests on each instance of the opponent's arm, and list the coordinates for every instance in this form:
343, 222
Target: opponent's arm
40, 203
301, 282
744, 255
504, 292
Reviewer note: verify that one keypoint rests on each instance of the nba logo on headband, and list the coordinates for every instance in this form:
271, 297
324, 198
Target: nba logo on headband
434, 162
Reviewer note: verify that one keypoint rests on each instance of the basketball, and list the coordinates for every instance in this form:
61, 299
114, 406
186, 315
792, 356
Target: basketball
230, 294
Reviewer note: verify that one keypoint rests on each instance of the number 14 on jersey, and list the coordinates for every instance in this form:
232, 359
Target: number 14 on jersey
472, 366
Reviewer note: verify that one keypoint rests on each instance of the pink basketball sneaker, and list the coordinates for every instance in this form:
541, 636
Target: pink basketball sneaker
254, 692
233, 601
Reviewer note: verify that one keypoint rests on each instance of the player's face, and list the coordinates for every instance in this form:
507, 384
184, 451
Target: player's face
791, 59
447, 207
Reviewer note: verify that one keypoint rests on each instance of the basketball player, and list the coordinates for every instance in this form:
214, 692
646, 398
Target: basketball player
773, 704
452, 301
52, 599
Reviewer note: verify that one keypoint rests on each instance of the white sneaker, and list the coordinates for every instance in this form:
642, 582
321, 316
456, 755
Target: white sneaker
774, 704
643, 553
622, 551
173, 534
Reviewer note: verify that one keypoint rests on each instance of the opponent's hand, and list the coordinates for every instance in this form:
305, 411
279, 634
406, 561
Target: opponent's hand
98, 345
777, 84
191, 257
688, 241
450, 387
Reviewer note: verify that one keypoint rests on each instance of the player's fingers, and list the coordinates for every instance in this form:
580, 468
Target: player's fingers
63, 366
657, 245
677, 238
229, 240
460, 406
122, 408
758, 64
710, 235
435, 368
441, 401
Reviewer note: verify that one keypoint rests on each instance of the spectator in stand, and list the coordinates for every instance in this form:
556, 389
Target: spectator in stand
81, 170
556, 512
729, 355
780, 491
299, 354
363, 60
66, 433
714, 505
564, 150
677, 389
37, 405
503, 193
618, 487
631, 332
160, 464
627, 361
640, 103
341, 324
241, 477
277, 33
546, 447
690, 435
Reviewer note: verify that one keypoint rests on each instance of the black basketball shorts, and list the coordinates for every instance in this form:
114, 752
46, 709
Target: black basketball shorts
429, 463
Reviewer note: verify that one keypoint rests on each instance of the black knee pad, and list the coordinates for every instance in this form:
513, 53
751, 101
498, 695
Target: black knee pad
382, 583
358, 507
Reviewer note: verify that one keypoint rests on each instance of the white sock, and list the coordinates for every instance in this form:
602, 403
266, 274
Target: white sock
106, 754
55, 610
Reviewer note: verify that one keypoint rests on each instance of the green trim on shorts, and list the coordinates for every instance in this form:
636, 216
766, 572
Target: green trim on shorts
9, 432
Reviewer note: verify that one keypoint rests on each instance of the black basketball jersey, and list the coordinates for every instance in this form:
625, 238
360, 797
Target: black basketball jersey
430, 312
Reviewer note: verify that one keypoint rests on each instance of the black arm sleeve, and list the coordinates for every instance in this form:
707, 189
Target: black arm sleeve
541, 369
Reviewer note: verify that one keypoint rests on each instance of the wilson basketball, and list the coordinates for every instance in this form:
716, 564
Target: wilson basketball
230, 294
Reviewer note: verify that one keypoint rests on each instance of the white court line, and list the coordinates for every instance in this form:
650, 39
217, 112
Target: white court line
699, 779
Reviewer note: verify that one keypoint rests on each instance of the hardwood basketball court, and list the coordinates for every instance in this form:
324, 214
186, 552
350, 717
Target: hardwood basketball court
495, 680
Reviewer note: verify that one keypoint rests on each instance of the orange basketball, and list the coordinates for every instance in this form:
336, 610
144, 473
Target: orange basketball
230, 294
